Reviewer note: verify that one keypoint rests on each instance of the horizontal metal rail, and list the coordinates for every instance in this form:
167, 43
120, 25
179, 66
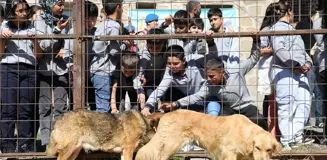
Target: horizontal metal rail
202, 154
173, 36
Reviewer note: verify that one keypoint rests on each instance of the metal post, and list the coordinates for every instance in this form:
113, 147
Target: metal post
79, 50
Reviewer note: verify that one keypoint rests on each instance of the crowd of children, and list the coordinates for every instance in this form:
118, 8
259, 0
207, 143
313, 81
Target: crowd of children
204, 75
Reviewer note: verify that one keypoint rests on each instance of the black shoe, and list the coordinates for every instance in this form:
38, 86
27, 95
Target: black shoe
26, 148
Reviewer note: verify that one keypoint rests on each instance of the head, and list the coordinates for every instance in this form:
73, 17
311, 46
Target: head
103, 15
53, 7
196, 25
113, 8
215, 16
265, 146
155, 46
35, 10
215, 71
283, 11
151, 21
193, 7
181, 21
131, 30
2, 14
153, 122
176, 59
19, 13
91, 15
129, 63
270, 19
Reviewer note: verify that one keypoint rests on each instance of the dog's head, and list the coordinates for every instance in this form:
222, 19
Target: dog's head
265, 146
153, 120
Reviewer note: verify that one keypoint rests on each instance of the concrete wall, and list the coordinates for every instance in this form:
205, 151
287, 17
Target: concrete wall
251, 13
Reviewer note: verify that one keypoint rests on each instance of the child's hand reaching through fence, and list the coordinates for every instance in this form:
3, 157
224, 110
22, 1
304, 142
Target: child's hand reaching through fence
6, 33
168, 20
168, 106
63, 24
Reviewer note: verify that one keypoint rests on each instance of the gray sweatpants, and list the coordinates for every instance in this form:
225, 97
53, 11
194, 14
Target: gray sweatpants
59, 87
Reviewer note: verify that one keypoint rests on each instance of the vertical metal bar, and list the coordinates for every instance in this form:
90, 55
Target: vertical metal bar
79, 66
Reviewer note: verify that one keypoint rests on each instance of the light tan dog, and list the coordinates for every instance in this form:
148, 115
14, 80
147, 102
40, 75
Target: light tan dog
225, 138
92, 131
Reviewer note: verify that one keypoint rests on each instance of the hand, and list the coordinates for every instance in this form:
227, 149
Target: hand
61, 24
306, 67
114, 109
210, 32
298, 70
31, 34
168, 106
143, 80
145, 111
60, 54
254, 34
169, 20
6, 33
141, 99
267, 51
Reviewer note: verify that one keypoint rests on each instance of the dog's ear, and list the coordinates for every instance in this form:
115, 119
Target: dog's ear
277, 148
154, 119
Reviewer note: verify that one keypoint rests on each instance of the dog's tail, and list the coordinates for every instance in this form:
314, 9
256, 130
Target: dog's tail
51, 149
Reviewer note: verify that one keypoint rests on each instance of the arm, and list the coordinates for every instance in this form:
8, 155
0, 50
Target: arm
113, 96
194, 98
317, 24
42, 28
68, 51
160, 90
280, 50
246, 65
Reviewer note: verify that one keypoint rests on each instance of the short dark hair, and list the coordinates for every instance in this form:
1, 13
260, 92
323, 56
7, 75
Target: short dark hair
181, 17
130, 60
111, 5
197, 22
176, 51
214, 64
214, 12
91, 9
155, 41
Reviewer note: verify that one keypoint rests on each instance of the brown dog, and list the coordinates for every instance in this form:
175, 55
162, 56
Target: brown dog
120, 133
225, 138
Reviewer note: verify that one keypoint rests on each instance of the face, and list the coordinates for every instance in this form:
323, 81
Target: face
181, 29
291, 16
102, 16
215, 76
127, 72
21, 12
152, 25
58, 8
216, 22
195, 29
175, 64
90, 22
155, 48
265, 146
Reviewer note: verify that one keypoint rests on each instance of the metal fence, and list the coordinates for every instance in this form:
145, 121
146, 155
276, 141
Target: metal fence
79, 90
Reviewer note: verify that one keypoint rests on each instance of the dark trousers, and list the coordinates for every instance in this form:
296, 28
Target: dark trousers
251, 112
18, 82
324, 108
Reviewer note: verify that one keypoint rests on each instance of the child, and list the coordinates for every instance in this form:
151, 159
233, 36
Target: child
107, 54
227, 48
185, 77
153, 61
181, 25
18, 81
34, 12
197, 26
91, 19
228, 85
54, 77
290, 65
123, 80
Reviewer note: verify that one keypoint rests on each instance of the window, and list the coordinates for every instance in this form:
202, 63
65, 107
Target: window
142, 5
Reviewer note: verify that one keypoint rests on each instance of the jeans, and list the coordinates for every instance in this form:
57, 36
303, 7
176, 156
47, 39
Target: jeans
18, 82
53, 102
102, 92
293, 100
